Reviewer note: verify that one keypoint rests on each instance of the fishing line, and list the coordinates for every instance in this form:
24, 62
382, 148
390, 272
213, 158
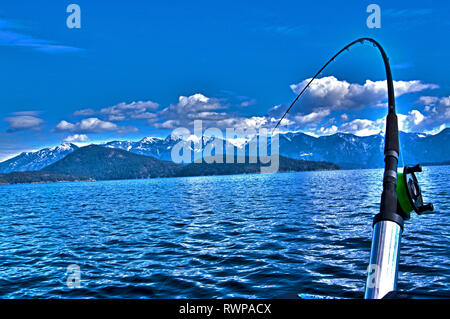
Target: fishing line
360, 40
401, 150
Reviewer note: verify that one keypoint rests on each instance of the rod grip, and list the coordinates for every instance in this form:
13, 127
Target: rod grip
391, 138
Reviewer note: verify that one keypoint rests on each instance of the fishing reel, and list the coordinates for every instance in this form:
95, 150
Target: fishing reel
409, 195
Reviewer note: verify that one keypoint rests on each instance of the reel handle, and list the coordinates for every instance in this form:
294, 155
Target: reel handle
426, 208
413, 169
409, 194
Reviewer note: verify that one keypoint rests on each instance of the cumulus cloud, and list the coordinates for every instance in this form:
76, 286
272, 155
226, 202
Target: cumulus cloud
325, 97
334, 94
76, 138
254, 122
212, 113
436, 112
65, 126
23, 122
89, 125
139, 110
428, 100
434, 118
312, 118
95, 125
190, 108
365, 127
194, 104
329, 94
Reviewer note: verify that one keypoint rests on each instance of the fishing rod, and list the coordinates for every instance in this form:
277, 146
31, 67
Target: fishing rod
400, 196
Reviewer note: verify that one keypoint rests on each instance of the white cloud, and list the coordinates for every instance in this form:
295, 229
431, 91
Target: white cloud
89, 125
362, 127
366, 127
416, 117
435, 130
65, 126
254, 122
95, 125
144, 116
212, 113
324, 96
169, 124
432, 121
404, 87
328, 131
428, 100
339, 94
334, 94
329, 94
23, 122
312, 118
194, 107
140, 110
131, 109
436, 113
76, 138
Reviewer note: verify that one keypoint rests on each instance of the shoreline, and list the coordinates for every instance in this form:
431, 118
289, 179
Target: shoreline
186, 176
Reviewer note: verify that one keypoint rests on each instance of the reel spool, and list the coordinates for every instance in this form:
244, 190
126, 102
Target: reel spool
409, 195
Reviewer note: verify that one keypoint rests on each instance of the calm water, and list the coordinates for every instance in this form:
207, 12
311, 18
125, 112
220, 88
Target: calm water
223, 236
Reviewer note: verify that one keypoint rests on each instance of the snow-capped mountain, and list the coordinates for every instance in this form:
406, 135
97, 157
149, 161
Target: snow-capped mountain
162, 148
350, 151
345, 150
34, 161
148, 146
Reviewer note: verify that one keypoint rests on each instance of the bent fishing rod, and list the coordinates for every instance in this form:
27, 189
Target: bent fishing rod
400, 196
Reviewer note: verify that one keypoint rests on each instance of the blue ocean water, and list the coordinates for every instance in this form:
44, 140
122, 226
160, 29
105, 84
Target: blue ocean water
258, 236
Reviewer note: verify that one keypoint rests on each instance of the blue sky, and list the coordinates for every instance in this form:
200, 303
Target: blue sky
140, 68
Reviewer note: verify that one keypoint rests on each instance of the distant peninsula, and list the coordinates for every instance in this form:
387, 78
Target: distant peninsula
39, 177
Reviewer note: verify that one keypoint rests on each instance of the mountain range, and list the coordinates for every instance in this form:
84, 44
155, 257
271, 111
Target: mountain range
345, 150
95, 162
